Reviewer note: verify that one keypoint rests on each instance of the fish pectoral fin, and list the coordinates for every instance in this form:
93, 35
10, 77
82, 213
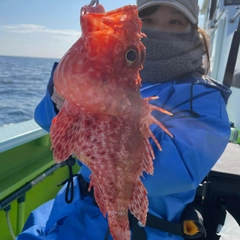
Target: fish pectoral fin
64, 132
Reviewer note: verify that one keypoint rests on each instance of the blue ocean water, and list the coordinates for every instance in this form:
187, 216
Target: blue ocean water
23, 82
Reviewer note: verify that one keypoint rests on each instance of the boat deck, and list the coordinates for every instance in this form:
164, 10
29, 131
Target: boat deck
229, 162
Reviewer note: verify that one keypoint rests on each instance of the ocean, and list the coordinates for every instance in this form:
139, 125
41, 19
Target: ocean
23, 82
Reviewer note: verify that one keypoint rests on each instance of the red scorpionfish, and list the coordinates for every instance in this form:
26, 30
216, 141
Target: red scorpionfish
104, 122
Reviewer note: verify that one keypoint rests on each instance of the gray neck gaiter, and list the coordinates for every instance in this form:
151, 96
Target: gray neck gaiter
170, 55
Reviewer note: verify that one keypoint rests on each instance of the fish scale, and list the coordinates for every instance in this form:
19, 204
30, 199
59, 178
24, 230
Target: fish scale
104, 122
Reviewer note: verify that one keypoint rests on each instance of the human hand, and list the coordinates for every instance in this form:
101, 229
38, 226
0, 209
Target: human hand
57, 99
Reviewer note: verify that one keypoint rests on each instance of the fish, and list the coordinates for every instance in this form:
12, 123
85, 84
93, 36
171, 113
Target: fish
104, 122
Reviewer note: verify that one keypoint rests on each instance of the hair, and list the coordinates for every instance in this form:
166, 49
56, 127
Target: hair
206, 44
202, 33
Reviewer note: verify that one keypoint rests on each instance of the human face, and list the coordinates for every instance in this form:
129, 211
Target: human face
167, 19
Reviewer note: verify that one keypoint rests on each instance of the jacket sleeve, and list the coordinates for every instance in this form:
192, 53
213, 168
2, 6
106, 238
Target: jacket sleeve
200, 129
46, 110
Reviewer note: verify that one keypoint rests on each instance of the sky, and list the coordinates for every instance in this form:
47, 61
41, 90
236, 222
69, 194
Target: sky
43, 28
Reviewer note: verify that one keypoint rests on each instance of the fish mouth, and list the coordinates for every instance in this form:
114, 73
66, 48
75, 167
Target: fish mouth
109, 21
117, 11
120, 13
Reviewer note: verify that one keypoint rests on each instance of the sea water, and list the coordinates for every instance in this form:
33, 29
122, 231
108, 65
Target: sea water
23, 82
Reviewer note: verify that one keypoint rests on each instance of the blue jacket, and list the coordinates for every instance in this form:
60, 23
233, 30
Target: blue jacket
200, 127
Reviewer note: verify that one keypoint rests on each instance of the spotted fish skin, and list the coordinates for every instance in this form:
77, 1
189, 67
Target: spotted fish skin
104, 121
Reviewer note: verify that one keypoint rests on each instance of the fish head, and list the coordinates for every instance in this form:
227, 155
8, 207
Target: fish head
112, 41
102, 68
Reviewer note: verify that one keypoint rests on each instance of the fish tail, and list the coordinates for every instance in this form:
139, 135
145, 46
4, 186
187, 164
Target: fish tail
119, 233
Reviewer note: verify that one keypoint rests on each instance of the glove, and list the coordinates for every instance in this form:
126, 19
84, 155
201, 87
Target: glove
57, 99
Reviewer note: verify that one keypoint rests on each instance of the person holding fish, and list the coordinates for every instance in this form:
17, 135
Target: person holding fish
147, 125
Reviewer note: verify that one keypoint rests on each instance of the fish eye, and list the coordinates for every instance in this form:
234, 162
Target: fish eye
131, 56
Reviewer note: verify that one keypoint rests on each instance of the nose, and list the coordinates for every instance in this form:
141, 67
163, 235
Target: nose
160, 27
